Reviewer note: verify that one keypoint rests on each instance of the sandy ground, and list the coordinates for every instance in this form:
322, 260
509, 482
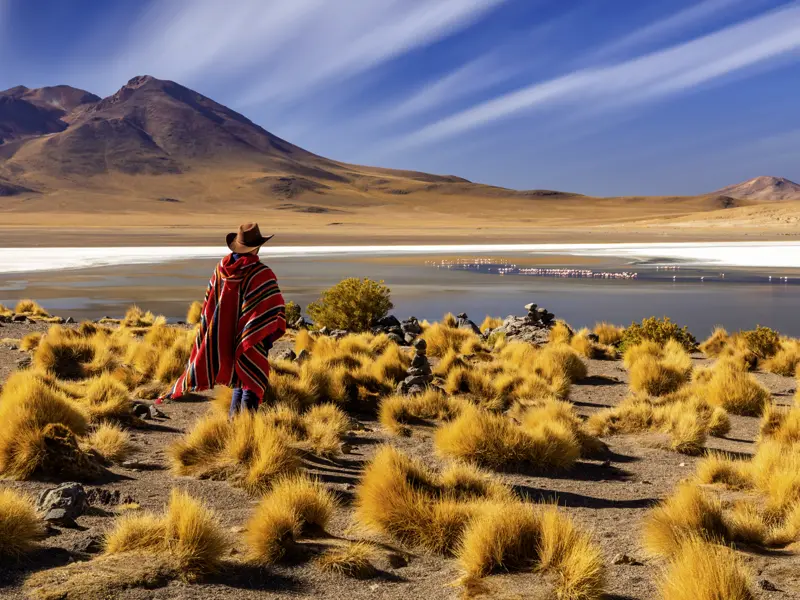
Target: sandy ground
610, 501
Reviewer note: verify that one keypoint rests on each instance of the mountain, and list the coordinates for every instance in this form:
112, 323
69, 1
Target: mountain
763, 189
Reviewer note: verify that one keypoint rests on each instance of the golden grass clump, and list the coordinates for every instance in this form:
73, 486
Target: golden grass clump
194, 313
5, 311
188, 534
30, 342
400, 497
352, 560
735, 390
608, 334
716, 343
136, 317
781, 424
442, 337
395, 413
518, 536
496, 442
717, 467
296, 506
490, 323
653, 377
559, 361
688, 512
20, 526
27, 407
105, 397
560, 333
700, 570
586, 347
30, 308
785, 360
111, 442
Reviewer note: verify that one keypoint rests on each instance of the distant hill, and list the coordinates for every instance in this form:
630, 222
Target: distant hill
763, 189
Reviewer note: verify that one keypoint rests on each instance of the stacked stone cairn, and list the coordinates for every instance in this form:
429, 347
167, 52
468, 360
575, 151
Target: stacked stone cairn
533, 328
419, 374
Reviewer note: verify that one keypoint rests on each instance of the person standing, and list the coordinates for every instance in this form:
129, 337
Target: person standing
243, 315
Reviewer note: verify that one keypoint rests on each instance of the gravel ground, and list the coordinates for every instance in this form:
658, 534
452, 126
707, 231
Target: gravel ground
610, 501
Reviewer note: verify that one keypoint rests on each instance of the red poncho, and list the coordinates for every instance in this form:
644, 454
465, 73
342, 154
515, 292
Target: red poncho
243, 309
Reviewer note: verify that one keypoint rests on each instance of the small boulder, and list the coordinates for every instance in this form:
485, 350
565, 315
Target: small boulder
624, 559
463, 322
69, 320
63, 504
19, 319
397, 339
767, 585
287, 354
387, 322
411, 326
303, 356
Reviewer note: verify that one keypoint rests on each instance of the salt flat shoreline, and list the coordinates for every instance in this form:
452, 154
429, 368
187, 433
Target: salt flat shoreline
732, 254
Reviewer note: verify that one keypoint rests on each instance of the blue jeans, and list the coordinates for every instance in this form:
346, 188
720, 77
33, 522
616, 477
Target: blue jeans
243, 400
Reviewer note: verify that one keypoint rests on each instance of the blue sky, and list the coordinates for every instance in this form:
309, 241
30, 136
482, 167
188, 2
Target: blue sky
601, 97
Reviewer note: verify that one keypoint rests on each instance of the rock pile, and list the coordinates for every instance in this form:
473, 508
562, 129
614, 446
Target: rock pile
401, 332
463, 322
419, 374
63, 504
533, 328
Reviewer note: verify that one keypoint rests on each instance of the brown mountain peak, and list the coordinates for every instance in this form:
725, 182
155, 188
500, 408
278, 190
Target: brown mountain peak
764, 188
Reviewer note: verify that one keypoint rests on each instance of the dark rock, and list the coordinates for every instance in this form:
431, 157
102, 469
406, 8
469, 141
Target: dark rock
301, 323
421, 346
323, 331
531, 308
141, 410
387, 322
409, 339
287, 354
397, 561
419, 361
63, 457
180, 322
397, 339
303, 356
464, 323
338, 334
69, 320
93, 545
766, 584
155, 413
412, 326
398, 331
63, 504
19, 319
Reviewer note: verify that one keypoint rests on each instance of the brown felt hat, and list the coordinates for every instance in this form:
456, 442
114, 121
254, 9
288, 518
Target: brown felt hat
247, 239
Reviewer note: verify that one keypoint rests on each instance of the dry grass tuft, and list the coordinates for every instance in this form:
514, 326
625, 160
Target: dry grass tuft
490, 323
398, 496
608, 334
111, 442
496, 442
395, 413
30, 308
689, 511
735, 390
136, 317
20, 526
443, 337
310, 501
700, 570
717, 467
30, 342
653, 377
716, 343
561, 333
786, 360
188, 533
517, 536
194, 313
352, 560
559, 361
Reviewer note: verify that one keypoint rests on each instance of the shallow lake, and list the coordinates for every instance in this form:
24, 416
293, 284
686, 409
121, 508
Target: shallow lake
423, 287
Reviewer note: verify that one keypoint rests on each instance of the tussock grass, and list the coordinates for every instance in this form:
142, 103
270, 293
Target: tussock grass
651, 376
517, 536
111, 442
136, 317
451, 360
30, 308
735, 390
400, 497
716, 343
194, 313
27, 407
496, 442
700, 570
559, 361
688, 512
780, 424
296, 506
718, 467
352, 560
490, 323
586, 347
445, 336
395, 413
608, 334
5, 311
188, 533
785, 360
20, 526
560, 333
30, 342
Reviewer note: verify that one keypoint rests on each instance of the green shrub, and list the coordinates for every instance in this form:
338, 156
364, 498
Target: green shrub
293, 312
762, 341
659, 331
352, 304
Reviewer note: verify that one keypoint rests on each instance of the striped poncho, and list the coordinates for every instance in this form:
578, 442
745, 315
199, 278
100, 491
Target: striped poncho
243, 314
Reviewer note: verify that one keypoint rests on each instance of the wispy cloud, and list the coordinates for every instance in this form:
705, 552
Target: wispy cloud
675, 24
757, 42
287, 47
